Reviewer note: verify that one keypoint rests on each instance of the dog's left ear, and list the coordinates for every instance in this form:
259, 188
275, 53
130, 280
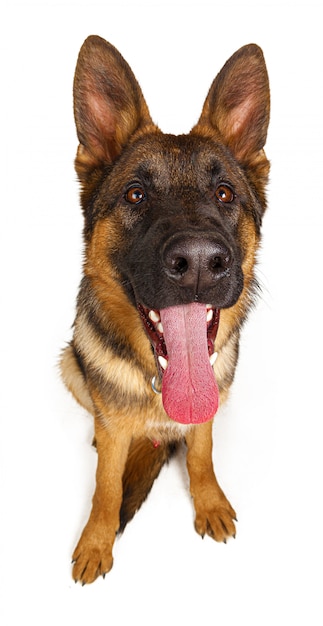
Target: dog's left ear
238, 104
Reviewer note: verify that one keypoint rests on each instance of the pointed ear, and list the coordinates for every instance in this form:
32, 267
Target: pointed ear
108, 105
238, 104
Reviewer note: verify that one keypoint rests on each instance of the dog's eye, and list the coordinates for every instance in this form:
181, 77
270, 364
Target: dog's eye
135, 195
224, 194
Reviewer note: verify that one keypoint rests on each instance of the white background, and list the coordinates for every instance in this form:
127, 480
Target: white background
268, 451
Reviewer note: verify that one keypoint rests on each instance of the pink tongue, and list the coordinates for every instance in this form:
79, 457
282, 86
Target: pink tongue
189, 390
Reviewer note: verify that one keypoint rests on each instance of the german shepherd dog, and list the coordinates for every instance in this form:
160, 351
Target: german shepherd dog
172, 227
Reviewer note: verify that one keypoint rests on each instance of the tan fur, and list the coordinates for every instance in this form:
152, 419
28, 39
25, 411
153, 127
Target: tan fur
74, 380
112, 368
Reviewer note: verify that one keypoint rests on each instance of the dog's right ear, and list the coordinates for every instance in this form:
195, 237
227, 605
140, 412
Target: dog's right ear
108, 105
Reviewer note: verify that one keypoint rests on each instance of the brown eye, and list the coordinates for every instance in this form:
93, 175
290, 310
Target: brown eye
135, 195
224, 194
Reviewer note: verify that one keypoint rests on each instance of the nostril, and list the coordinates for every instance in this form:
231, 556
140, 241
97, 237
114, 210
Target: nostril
179, 265
219, 263
216, 263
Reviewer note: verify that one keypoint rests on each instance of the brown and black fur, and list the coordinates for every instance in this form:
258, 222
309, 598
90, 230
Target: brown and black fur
140, 189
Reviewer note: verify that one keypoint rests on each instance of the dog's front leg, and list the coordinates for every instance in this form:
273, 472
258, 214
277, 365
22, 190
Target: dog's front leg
92, 556
214, 513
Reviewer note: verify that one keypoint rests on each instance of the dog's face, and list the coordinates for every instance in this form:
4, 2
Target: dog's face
182, 207
174, 220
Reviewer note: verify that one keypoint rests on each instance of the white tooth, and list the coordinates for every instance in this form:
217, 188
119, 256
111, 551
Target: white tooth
213, 358
163, 362
209, 306
153, 316
160, 327
209, 315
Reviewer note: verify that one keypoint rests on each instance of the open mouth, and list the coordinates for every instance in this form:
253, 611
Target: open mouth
152, 322
183, 339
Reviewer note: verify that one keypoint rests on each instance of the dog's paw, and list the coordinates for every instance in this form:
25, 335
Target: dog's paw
216, 520
91, 560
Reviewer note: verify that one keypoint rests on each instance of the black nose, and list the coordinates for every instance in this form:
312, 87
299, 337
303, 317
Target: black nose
196, 261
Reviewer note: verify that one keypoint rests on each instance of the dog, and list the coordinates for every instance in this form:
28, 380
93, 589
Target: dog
172, 226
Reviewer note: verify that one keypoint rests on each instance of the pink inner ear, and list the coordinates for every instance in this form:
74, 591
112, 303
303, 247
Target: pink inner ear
101, 125
239, 116
101, 114
243, 128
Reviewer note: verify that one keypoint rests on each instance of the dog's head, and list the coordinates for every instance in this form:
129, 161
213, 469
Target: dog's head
174, 219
